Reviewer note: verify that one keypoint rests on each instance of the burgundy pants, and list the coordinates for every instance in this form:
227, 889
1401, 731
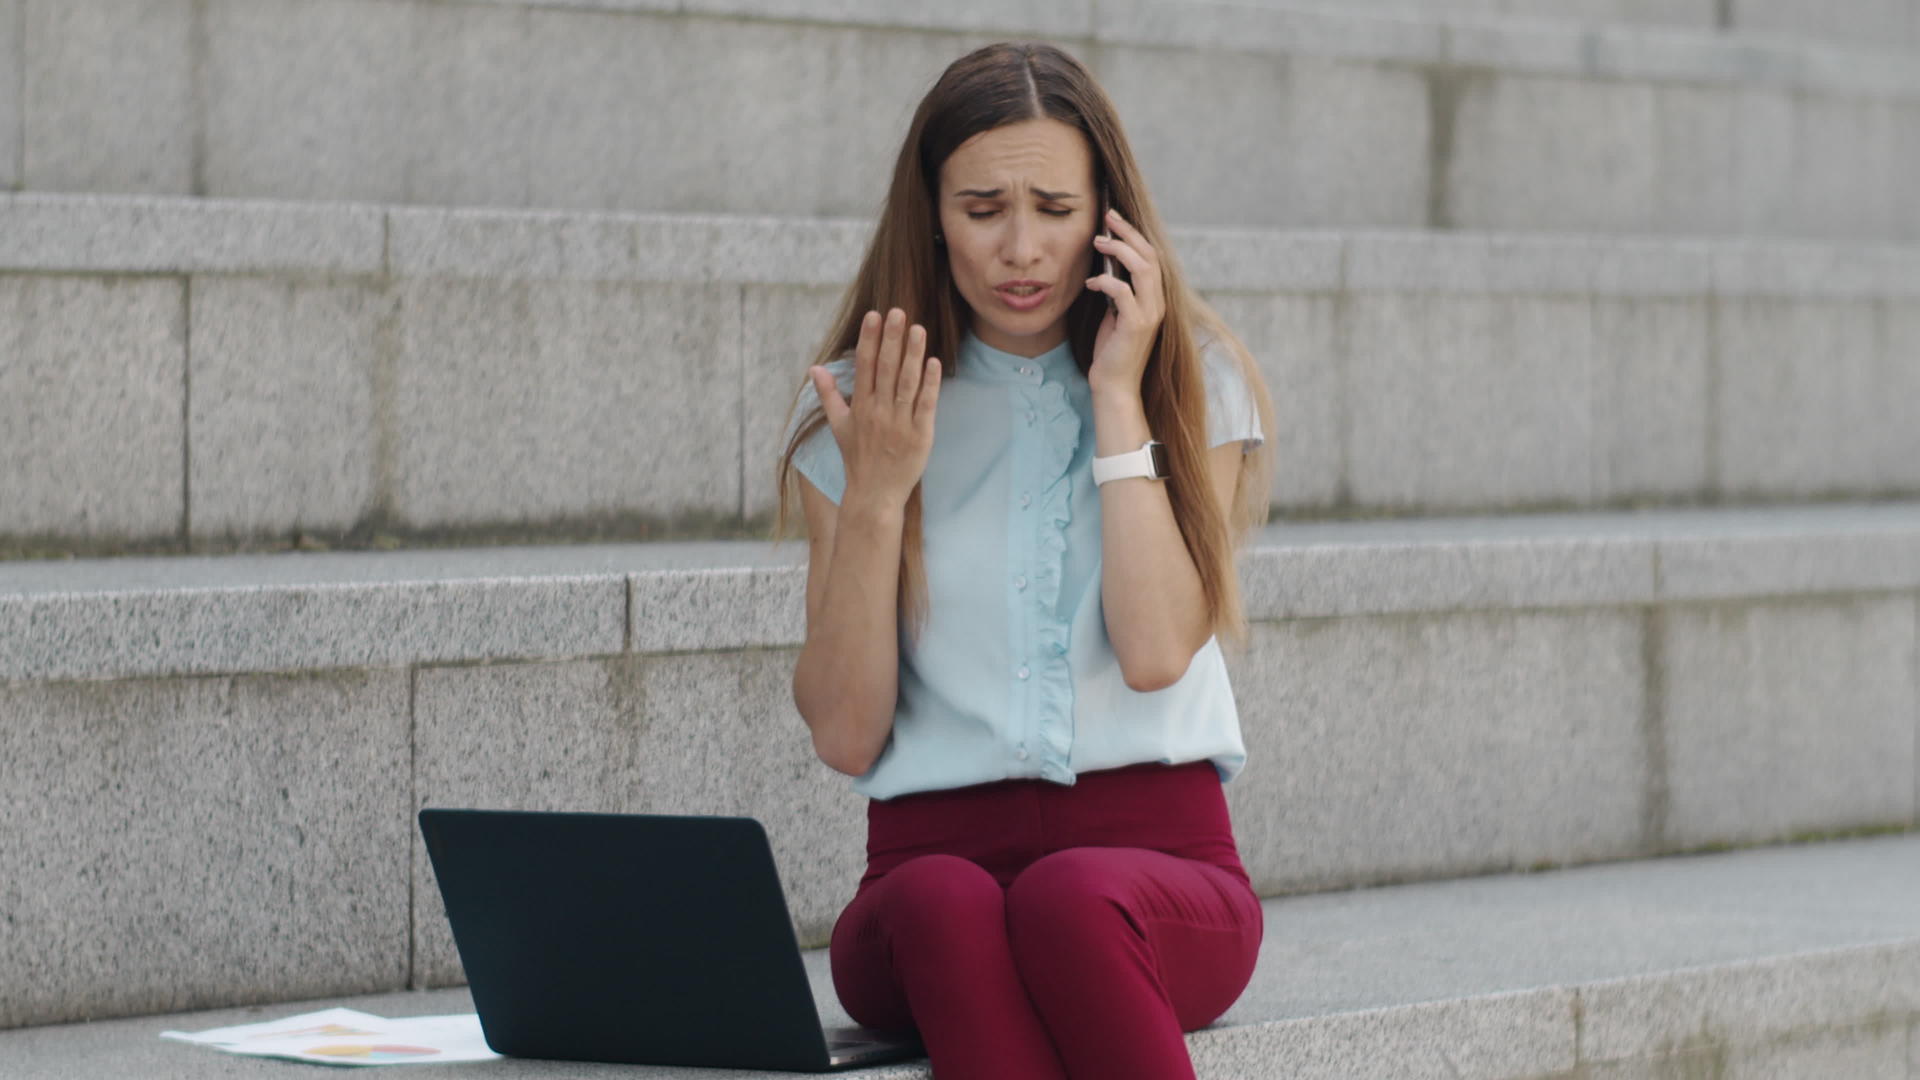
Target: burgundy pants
1034, 930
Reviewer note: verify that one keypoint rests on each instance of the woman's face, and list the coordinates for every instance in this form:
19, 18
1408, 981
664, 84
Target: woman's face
1017, 204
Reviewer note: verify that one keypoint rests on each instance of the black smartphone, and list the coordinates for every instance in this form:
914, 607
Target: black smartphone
1109, 265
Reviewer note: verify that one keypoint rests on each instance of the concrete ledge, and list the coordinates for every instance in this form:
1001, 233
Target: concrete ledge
1801, 960
133, 234
115, 234
195, 615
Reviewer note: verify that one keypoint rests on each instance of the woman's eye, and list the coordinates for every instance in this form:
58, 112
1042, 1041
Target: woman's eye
990, 213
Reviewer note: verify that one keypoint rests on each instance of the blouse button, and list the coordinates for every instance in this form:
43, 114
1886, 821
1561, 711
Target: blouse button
1021, 752
1026, 371
1020, 581
1023, 672
1030, 417
1026, 500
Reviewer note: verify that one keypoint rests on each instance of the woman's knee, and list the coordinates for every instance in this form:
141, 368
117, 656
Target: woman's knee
940, 893
1068, 894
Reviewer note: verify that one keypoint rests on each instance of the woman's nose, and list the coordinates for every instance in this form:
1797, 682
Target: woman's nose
1022, 243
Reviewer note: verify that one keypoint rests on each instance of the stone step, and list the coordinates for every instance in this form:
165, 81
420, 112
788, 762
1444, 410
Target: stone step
248, 372
210, 765
1874, 24
1793, 961
1240, 114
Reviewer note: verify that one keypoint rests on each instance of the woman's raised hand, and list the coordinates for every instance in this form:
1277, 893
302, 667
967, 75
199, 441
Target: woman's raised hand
886, 432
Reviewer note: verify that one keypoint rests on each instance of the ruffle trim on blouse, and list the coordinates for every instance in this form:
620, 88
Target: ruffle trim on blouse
1061, 429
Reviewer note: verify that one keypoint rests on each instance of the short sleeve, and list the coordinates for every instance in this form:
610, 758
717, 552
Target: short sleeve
818, 458
1231, 413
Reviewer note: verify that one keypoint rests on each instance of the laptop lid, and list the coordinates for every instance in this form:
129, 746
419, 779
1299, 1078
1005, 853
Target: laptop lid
631, 938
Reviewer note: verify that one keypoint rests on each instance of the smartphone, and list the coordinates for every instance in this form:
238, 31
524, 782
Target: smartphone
1109, 265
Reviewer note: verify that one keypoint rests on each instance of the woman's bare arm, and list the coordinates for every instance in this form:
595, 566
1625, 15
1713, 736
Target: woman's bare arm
1151, 599
1150, 595
847, 679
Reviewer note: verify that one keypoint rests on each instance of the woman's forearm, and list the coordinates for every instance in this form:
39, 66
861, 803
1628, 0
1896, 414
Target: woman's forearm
847, 679
1150, 592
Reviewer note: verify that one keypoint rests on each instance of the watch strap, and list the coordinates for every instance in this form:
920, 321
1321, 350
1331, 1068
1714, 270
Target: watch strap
1149, 461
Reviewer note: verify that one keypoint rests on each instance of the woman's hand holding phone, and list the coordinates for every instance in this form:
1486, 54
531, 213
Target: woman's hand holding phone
886, 432
1135, 305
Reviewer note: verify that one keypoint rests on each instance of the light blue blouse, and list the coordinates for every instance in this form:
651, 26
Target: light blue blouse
1014, 675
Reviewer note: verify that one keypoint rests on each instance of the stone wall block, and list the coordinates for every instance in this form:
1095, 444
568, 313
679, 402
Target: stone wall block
92, 382
1787, 718
1437, 745
175, 844
109, 97
282, 415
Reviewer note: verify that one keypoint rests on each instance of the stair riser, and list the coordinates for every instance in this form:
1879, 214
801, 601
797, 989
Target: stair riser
1319, 119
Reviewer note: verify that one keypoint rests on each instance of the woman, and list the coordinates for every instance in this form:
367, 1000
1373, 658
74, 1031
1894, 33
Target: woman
1011, 624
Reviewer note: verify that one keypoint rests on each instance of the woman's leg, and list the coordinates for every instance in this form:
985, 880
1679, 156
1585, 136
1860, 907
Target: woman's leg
926, 946
1123, 949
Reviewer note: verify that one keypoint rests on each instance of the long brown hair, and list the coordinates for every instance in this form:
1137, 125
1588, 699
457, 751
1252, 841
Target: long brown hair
1006, 83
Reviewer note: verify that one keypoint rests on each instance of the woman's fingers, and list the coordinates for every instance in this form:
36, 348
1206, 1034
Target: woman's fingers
890, 372
887, 372
1124, 230
907, 383
828, 392
885, 426
929, 395
865, 353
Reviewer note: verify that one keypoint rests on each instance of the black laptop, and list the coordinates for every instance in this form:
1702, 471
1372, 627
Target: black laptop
634, 938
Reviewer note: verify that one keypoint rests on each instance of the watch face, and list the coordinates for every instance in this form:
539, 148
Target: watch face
1158, 452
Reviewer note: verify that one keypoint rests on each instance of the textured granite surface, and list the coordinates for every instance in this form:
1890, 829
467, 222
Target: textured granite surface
180, 843
238, 626
536, 401
1552, 153
1467, 401
103, 234
1849, 424
12, 63
91, 405
283, 432
303, 100
121, 73
1649, 385
1384, 749
471, 116
1332, 115
1781, 718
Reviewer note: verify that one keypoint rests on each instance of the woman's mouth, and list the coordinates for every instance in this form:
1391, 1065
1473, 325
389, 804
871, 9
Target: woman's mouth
1023, 298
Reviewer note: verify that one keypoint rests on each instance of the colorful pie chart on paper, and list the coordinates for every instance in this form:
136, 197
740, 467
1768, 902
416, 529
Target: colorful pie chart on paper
377, 1052
318, 1029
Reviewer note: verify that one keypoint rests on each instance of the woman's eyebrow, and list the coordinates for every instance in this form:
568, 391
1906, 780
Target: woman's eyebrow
994, 193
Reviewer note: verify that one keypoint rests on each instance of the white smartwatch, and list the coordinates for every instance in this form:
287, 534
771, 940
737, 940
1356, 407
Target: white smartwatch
1149, 461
